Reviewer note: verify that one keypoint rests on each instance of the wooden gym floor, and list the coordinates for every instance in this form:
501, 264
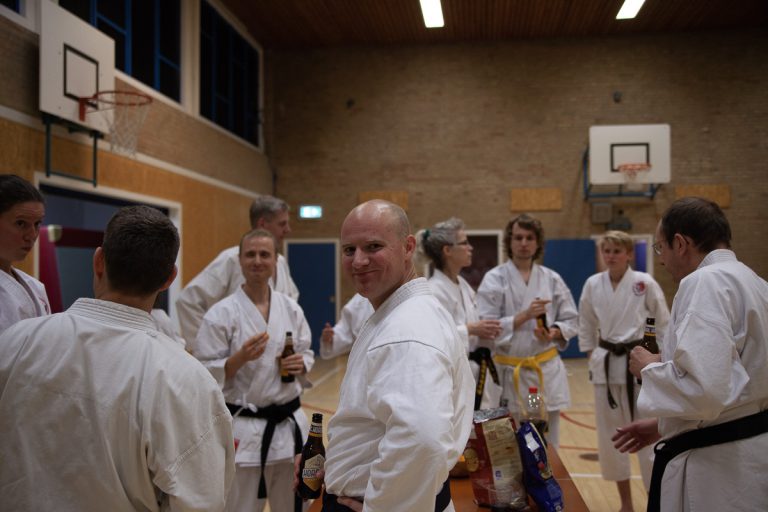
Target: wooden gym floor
578, 441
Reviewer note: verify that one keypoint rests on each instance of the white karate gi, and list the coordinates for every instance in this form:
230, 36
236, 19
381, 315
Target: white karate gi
459, 301
617, 316
100, 411
21, 297
220, 279
405, 406
226, 326
714, 369
502, 294
353, 316
165, 326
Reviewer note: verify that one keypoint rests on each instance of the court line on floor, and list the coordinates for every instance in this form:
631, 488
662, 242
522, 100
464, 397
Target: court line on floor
597, 475
326, 376
575, 422
579, 448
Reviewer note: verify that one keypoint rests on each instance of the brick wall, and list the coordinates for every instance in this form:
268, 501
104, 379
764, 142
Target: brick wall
456, 126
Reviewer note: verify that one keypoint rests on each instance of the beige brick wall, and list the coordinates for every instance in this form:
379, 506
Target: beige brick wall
458, 126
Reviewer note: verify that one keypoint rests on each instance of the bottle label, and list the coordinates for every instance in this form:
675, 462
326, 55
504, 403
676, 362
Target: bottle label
316, 429
309, 473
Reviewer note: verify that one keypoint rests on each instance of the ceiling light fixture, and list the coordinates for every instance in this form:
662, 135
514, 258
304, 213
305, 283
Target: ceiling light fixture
630, 9
433, 13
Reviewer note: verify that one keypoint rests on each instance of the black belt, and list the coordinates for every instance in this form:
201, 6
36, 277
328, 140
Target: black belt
442, 500
482, 356
274, 414
666, 450
620, 349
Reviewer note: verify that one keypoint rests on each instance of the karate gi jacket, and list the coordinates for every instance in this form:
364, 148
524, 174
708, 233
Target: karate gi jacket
220, 279
405, 406
714, 369
229, 324
100, 411
502, 294
353, 317
20, 299
618, 316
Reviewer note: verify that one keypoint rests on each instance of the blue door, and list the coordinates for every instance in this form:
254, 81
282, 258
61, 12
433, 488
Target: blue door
574, 260
313, 268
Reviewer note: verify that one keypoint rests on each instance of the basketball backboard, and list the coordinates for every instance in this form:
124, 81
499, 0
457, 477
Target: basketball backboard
76, 60
613, 146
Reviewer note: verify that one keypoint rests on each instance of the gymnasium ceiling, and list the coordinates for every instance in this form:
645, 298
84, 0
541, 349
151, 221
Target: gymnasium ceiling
301, 24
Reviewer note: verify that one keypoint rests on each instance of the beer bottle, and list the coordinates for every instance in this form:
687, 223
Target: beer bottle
649, 336
541, 321
287, 351
312, 460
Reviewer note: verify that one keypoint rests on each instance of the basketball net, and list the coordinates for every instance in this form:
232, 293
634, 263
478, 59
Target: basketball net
630, 173
128, 111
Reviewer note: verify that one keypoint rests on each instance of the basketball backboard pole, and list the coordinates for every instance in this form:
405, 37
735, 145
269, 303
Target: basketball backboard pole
50, 120
649, 193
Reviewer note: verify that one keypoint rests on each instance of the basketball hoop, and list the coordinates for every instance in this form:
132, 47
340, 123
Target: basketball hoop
630, 172
123, 112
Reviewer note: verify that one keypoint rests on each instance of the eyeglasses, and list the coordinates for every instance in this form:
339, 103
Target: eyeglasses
657, 248
463, 242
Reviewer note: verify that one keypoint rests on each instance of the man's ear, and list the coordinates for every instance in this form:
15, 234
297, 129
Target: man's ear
410, 246
682, 244
99, 266
170, 279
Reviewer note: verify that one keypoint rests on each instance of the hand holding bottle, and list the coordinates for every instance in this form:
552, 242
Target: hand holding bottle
639, 358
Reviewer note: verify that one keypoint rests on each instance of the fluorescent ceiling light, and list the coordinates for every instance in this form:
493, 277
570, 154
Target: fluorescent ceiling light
433, 13
630, 9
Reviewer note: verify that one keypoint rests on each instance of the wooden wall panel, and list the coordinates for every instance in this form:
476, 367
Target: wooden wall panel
535, 199
719, 193
212, 218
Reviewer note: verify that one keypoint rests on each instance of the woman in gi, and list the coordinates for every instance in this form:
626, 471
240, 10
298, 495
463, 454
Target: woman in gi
21, 212
240, 341
612, 311
446, 246
516, 293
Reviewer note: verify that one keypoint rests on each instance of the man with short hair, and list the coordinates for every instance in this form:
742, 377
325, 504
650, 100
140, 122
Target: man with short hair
223, 277
241, 341
517, 293
613, 310
708, 391
405, 408
99, 410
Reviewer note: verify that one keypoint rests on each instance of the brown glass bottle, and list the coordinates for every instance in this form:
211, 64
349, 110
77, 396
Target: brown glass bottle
312, 460
287, 351
541, 321
649, 336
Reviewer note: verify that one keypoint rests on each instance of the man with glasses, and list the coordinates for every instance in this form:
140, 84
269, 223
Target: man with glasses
707, 393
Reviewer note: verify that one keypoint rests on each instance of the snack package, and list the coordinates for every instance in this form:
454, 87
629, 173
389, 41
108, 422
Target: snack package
493, 461
537, 474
